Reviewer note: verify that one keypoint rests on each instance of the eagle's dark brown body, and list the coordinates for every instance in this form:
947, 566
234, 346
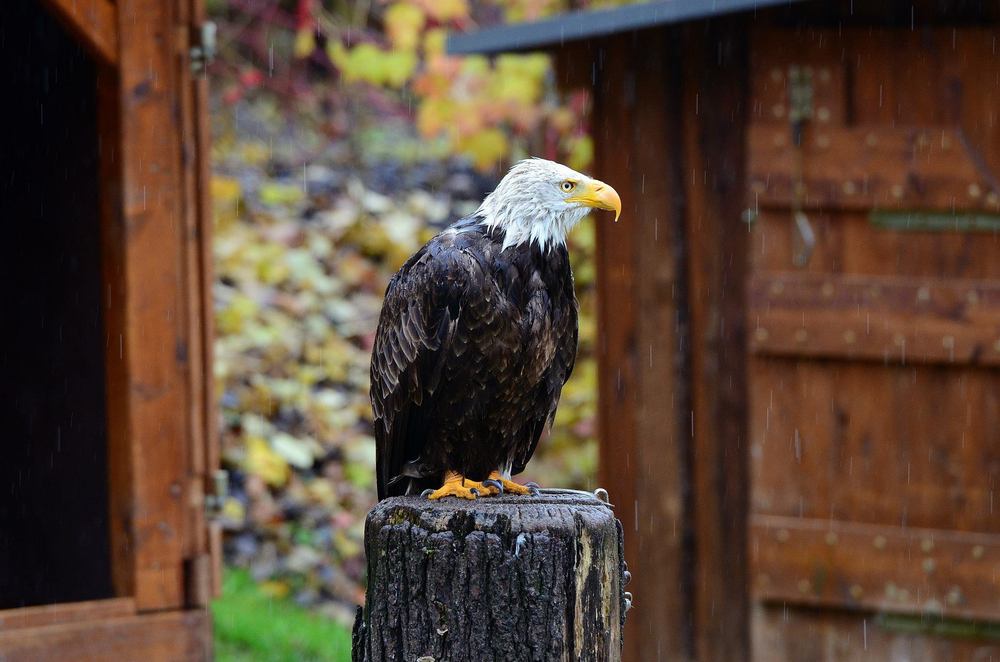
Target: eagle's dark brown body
474, 344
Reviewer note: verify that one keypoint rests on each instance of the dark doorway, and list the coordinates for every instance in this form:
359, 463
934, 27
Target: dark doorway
54, 541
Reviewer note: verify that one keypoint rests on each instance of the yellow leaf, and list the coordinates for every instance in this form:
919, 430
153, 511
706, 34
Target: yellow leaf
435, 41
233, 510
403, 23
274, 589
446, 10
485, 147
305, 43
434, 115
322, 492
226, 195
369, 64
233, 318
580, 153
397, 67
264, 462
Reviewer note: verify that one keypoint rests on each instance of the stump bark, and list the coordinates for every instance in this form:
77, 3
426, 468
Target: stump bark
500, 578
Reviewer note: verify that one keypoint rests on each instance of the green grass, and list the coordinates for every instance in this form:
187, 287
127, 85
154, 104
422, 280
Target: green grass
251, 626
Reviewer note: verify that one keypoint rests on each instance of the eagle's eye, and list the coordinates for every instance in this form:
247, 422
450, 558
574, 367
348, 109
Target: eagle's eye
568, 186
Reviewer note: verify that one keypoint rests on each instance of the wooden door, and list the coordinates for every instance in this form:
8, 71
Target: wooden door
873, 324
156, 314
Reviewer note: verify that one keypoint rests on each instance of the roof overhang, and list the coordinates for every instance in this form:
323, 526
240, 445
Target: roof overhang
578, 25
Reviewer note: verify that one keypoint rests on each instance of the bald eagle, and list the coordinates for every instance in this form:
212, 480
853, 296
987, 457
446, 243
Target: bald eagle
477, 335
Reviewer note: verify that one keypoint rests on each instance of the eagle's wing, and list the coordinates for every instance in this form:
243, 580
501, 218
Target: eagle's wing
547, 399
419, 335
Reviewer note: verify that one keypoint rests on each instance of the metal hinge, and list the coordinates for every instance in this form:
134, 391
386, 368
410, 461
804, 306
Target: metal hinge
800, 111
203, 50
216, 498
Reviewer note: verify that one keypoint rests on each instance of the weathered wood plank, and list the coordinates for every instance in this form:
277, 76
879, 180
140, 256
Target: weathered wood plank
876, 567
117, 392
893, 320
643, 420
166, 637
826, 635
860, 441
202, 538
861, 167
93, 22
155, 343
90, 610
511, 578
714, 123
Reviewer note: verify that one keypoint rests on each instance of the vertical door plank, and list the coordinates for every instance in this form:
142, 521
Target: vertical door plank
715, 106
642, 397
155, 344
204, 539
120, 480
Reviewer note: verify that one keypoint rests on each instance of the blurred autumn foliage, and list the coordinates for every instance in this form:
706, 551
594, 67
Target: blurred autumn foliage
343, 139
326, 54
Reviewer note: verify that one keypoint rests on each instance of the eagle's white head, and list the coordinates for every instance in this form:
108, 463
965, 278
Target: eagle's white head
540, 201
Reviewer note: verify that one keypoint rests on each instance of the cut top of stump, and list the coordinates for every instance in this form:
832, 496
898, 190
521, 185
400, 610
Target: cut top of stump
550, 511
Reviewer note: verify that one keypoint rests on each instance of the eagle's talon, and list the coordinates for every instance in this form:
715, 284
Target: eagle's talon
457, 485
427, 492
532, 484
509, 486
534, 491
495, 484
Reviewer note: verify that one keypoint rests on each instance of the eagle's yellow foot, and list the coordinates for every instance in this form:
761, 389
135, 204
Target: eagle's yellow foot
510, 487
457, 485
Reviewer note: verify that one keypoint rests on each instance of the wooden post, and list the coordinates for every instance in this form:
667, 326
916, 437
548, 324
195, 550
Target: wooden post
500, 578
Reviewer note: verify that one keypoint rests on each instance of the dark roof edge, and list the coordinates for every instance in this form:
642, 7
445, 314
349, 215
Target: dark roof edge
577, 25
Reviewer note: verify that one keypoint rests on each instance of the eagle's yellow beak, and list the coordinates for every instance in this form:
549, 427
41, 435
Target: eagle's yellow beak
595, 193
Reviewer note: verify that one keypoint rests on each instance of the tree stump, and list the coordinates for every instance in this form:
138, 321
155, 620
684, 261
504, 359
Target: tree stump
498, 578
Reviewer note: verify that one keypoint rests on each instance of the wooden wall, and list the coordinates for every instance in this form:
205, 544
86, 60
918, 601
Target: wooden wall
683, 390
147, 220
668, 124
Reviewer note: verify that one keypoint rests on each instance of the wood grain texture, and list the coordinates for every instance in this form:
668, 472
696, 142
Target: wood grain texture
859, 167
113, 303
715, 105
202, 537
891, 320
793, 635
502, 578
166, 637
643, 391
89, 610
93, 22
155, 345
873, 382
934, 572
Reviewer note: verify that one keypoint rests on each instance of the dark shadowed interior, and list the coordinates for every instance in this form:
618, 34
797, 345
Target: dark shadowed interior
54, 542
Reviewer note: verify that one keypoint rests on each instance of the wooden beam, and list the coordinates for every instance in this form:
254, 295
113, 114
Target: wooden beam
885, 319
117, 393
93, 22
175, 636
203, 538
888, 168
872, 567
89, 610
155, 343
643, 398
714, 120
